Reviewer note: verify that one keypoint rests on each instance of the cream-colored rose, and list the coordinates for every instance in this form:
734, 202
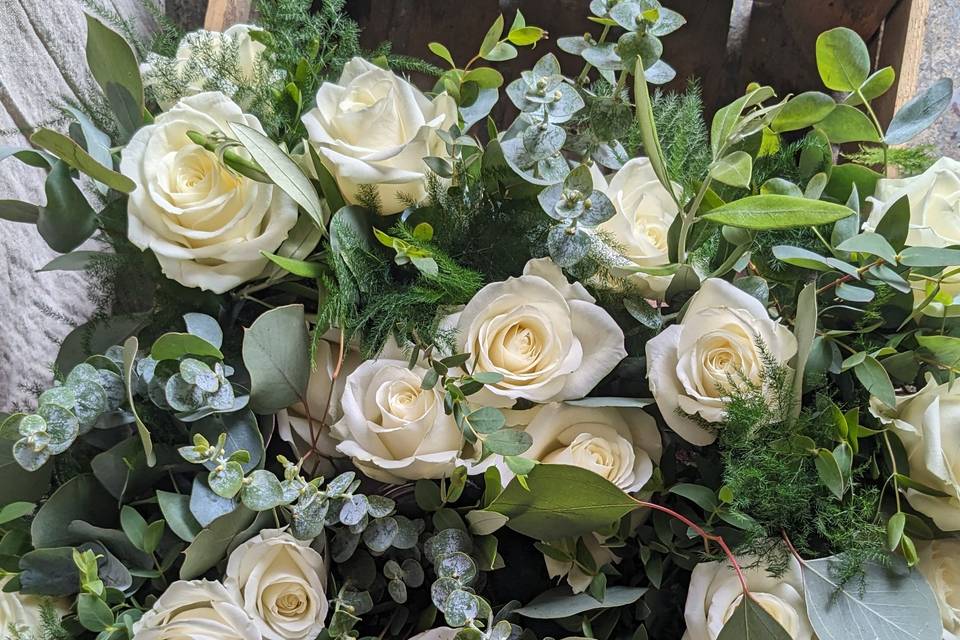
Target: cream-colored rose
934, 198
715, 593
928, 424
392, 428
621, 444
545, 336
693, 366
280, 582
195, 60
23, 612
645, 212
205, 224
375, 128
306, 427
940, 565
196, 609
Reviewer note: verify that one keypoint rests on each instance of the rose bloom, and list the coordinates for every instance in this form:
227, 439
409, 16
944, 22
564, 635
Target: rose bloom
928, 424
393, 429
692, 365
22, 612
196, 609
323, 401
934, 198
644, 213
375, 128
205, 224
715, 593
194, 68
940, 565
279, 581
620, 444
545, 336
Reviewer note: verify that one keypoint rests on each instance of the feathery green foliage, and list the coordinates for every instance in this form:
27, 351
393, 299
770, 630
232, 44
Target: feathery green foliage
782, 491
910, 161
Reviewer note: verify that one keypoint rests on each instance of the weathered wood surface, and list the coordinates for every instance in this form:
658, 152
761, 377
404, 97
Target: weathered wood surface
41, 60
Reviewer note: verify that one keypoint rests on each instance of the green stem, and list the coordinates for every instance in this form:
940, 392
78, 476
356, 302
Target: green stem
893, 465
688, 218
876, 123
582, 78
232, 159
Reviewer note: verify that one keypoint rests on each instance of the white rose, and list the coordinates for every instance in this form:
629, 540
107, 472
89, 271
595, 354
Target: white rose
23, 612
545, 336
934, 198
392, 428
620, 444
196, 609
279, 581
928, 424
644, 214
440, 633
307, 427
195, 54
691, 365
940, 565
205, 224
375, 128
715, 593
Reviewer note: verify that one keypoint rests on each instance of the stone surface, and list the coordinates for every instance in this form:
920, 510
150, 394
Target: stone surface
941, 58
42, 61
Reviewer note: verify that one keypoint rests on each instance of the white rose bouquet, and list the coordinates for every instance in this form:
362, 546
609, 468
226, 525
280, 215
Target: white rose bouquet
374, 359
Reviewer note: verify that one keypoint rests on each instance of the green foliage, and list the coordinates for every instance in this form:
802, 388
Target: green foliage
910, 161
49, 629
683, 136
772, 479
372, 298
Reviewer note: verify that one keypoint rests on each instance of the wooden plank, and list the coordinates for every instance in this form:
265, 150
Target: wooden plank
780, 47
901, 46
222, 14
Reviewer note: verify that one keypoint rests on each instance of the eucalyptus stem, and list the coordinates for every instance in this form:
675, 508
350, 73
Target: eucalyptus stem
582, 78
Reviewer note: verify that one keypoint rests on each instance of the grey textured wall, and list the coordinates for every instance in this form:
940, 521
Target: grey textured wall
41, 60
941, 58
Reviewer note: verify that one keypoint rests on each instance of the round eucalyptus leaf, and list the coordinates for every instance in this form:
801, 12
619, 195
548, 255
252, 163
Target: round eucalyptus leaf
353, 510
412, 573
566, 102
546, 67
380, 534
62, 395
343, 545
458, 566
446, 542
181, 395
32, 424
83, 371
262, 491
603, 56
408, 532
441, 589
460, 608
27, 456
567, 245
62, 427
91, 401
397, 590
198, 373
228, 481
380, 506
600, 209
113, 386
307, 518
543, 140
